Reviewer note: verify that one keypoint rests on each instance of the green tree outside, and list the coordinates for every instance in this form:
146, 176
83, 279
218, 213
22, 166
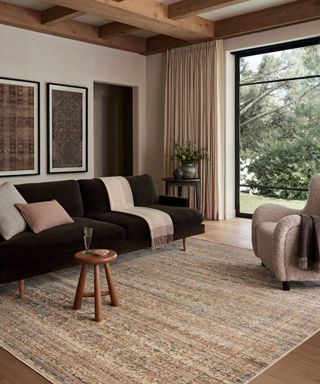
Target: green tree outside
280, 122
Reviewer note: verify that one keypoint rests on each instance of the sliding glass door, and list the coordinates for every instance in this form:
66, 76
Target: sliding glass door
277, 124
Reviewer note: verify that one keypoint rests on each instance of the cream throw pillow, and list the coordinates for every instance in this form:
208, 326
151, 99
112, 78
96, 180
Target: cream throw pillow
44, 215
11, 221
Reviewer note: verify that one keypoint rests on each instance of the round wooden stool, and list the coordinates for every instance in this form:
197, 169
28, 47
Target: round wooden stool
96, 257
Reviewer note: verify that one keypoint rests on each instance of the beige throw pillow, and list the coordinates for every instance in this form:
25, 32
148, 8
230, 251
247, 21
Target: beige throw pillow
44, 215
11, 221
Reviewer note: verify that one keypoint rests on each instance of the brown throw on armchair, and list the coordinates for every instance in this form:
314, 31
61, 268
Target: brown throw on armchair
309, 243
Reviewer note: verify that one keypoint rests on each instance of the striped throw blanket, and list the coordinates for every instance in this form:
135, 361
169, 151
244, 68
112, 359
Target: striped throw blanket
121, 200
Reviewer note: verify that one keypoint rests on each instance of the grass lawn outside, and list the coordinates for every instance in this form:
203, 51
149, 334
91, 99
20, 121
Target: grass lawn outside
248, 203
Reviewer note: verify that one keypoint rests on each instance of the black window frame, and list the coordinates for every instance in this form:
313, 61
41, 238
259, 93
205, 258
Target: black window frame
252, 52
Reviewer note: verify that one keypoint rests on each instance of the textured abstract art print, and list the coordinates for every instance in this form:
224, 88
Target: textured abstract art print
19, 127
67, 128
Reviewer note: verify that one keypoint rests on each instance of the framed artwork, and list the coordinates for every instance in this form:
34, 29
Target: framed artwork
19, 127
67, 128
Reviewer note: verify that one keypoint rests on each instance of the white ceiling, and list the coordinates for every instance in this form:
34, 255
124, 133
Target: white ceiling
222, 13
240, 9
38, 5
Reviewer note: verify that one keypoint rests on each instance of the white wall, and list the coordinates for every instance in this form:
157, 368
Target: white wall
39, 57
156, 65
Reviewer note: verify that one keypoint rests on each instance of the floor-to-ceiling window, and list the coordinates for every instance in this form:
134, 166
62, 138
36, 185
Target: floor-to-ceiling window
277, 124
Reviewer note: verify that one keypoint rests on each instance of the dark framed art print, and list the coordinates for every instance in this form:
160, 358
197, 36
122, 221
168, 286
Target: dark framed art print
67, 128
19, 127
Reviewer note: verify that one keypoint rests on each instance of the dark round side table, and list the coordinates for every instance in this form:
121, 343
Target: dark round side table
196, 183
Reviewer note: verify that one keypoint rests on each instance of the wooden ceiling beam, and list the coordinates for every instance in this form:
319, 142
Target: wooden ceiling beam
112, 29
113, 35
56, 14
25, 18
187, 8
150, 15
274, 17
162, 43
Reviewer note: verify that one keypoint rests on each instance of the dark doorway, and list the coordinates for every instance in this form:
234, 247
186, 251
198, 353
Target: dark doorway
113, 130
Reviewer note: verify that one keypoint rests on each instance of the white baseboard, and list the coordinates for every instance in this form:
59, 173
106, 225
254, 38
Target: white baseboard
230, 214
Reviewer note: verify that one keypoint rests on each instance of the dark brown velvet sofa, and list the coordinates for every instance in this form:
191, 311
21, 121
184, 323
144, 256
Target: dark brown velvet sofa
28, 254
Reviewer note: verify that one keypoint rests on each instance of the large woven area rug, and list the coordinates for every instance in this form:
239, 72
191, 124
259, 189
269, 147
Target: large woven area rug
208, 315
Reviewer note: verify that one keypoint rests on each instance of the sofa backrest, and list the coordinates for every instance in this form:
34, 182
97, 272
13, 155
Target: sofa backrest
144, 190
66, 192
95, 197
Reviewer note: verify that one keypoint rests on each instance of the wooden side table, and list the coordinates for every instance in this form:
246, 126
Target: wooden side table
106, 257
196, 183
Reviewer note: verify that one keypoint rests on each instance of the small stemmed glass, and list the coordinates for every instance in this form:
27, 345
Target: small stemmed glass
87, 237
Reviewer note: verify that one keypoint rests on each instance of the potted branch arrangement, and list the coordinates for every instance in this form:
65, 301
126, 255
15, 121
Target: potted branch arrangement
189, 156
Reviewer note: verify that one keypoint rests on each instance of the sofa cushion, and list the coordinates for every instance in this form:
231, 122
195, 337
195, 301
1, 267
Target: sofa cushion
135, 227
11, 221
44, 215
181, 217
94, 196
66, 192
267, 228
144, 190
28, 247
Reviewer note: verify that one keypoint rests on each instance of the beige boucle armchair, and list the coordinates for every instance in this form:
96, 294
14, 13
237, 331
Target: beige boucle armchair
275, 236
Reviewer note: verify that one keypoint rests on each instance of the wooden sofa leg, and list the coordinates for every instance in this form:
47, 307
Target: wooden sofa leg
286, 285
21, 288
184, 241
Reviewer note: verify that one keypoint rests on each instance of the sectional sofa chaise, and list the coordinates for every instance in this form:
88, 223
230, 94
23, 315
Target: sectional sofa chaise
86, 201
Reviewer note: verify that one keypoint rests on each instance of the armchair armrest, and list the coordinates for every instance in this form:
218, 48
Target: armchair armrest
269, 212
174, 201
285, 224
284, 240
273, 212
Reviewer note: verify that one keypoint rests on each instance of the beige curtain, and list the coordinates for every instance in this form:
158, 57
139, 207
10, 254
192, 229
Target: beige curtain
194, 110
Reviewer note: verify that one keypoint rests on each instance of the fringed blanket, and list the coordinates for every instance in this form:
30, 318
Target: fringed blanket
309, 243
121, 200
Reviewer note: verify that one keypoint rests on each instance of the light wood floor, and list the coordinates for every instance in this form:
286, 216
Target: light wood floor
13, 371
235, 232
301, 366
